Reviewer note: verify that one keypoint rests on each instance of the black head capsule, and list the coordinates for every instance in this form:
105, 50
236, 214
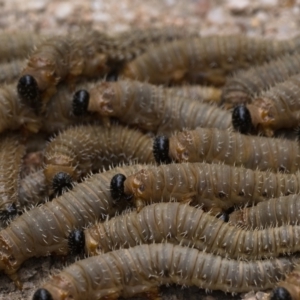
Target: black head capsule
42, 294
241, 119
80, 103
280, 293
117, 188
161, 149
76, 241
28, 91
61, 182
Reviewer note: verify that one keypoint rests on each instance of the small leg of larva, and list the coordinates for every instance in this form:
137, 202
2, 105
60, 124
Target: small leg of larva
139, 204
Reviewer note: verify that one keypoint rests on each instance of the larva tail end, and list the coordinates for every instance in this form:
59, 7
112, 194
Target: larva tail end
9, 212
28, 91
80, 103
241, 119
280, 293
42, 294
76, 241
161, 149
117, 188
61, 181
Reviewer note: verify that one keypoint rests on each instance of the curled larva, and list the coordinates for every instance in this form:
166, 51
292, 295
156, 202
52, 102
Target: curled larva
288, 289
245, 84
14, 114
185, 225
200, 93
45, 229
213, 186
273, 109
11, 154
33, 190
148, 107
17, 45
80, 150
202, 60
213, 146
143, 268
274, 212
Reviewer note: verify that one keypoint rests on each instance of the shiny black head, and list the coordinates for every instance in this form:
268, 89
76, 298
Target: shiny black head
10, 211
280, 293
161, 149
42, 294
29, 92
241, 119
80, 103
61, 182
76, 241
117, 188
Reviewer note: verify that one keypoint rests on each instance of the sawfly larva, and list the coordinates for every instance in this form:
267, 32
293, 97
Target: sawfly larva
80, 150
45, 229
276, 108
149, 107
199, 93
11, 154
274, 212
141, 269
185, 225
213, 186
203, 60
232, 148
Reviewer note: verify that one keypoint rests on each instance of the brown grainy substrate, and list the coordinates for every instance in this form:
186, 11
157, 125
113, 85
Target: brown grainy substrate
270, 18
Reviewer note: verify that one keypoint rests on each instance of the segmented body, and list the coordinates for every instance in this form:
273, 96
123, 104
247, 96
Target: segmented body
142, 269
44, 229
232, 148
189, 226
84, 149
203, 60
151, 108
274, 212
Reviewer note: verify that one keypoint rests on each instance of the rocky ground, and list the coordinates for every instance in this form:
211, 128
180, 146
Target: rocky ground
271, 18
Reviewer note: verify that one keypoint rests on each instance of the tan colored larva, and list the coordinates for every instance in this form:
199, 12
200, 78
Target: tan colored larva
203, 60
213, 146
200, 93
244, 85
277, 107
189, 226
10, 71
143, 268
11, 154
80, 150
274, 212
45, 229
212, 186
149, 107
288, 289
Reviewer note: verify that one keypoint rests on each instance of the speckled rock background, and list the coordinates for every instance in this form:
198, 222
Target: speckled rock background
271, 18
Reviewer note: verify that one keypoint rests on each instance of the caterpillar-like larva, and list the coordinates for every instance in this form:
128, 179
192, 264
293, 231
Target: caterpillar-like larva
288, 289
203, 60
45, 229
200, 93
232, 148
212, 186
17, 45
33, 190
274, 109
141, 269
274, 212
10, 71
80, 150
11, 154
182, 224
14, 114
148, 107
